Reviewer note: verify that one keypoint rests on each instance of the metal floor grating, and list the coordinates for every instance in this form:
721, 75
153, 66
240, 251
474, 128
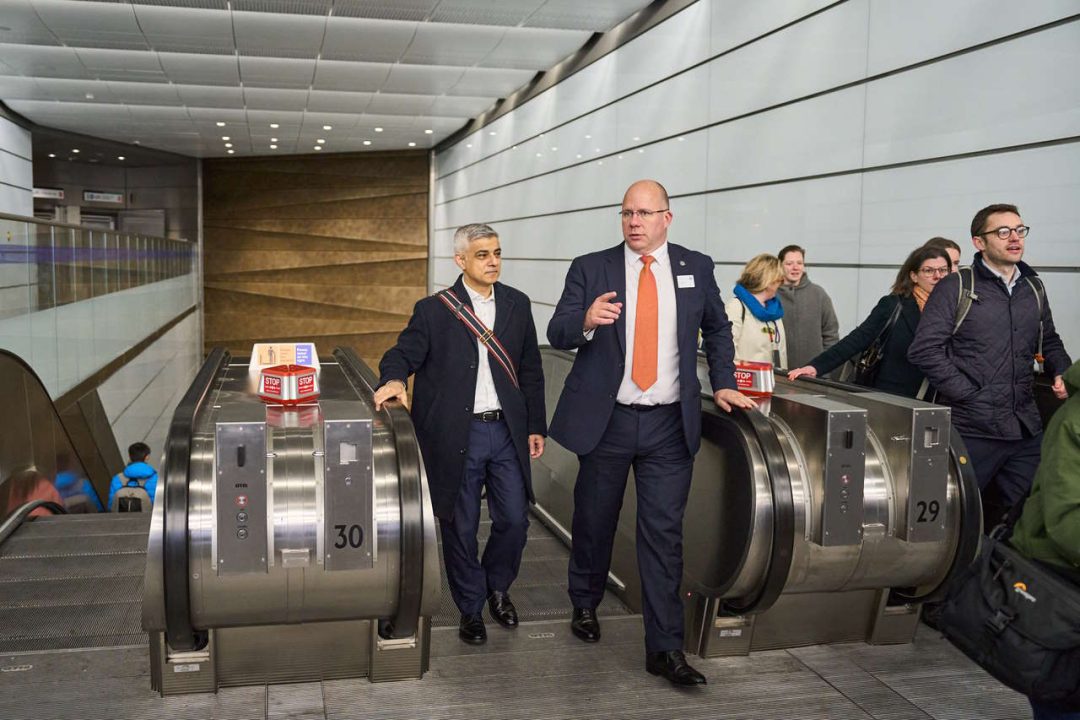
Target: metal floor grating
539, 593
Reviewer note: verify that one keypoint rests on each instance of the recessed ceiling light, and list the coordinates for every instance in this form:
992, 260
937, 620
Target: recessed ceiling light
579, 156
468, 145
273, 139
121, 157
89, 96
321, 141
641, 150
681, 138
588, 137
491, 132
220, 124
224, 137
137, 142
318, 147
52, 154
412, 144
274, 126
554, 149
228, 144
378, 129
539, 154
428, 132
229, 151
327, 127
367, 142
273, 147
75, 150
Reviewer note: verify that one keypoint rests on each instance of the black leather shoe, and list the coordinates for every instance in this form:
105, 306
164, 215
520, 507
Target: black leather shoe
585, 625
673, 666
502, 609
472, 630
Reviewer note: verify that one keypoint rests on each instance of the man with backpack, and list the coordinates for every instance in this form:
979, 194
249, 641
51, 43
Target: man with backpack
132, 490
982, 333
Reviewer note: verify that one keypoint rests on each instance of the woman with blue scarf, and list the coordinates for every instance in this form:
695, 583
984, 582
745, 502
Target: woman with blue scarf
755, 313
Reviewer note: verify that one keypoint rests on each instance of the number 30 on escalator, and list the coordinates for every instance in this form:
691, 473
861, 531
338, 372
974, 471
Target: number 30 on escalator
349, 536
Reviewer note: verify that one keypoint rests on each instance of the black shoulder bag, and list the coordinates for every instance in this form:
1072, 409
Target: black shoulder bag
869, 362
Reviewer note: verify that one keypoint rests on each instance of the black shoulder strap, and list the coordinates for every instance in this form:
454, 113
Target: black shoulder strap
1040, 298
965, 295
468, 318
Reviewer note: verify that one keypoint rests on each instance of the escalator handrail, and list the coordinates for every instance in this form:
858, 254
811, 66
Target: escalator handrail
13, 521
405, 622
783, 501
970, 530
179, 632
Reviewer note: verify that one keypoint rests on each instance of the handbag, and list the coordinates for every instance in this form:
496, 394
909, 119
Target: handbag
1020, 621
869, 362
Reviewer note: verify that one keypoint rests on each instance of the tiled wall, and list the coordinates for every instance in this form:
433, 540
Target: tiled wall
327, 248
16, 176
856, 129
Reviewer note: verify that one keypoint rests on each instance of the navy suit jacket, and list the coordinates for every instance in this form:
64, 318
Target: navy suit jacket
588, 397
442, 352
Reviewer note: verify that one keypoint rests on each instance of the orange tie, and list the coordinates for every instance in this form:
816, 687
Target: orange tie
645, 328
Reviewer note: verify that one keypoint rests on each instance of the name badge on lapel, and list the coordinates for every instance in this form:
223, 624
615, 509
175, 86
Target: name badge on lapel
685, 281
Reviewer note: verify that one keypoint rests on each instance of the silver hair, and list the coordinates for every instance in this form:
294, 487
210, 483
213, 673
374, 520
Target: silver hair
467, 233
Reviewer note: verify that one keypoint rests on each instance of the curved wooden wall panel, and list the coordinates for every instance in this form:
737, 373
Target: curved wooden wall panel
328, 248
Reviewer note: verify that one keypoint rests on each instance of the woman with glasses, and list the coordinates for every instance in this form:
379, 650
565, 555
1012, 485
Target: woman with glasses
897, 314
755, 313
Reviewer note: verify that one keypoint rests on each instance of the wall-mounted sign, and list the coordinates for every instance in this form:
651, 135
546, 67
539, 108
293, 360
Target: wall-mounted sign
103, 197
49, 193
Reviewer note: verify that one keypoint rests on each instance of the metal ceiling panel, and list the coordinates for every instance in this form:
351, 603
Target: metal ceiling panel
414, 10
138, 93
278, 35
400, 104
79, 91
15, 87
364, 39
227, 115
490, 82
443, 44
23, 25
197, 4
463, 107
577, 15
276, 72
43, 61
110, 25
422, 79
211, 96
185, 68
339, 102
289, 7
368, 122
275, 99
186, 30
485, 12
354, 76
264, 118
107, 64
535, 48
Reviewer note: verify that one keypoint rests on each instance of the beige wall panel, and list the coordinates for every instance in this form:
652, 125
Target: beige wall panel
327, 248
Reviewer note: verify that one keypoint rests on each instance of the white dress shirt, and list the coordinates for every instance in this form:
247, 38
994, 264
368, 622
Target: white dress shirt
485, 398
666, 388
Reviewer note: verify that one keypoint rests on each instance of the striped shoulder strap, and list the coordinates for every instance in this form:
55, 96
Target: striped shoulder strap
465, 314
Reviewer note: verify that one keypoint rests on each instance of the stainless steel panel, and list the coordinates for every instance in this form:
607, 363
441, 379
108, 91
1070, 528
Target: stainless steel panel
348, 490
241, 497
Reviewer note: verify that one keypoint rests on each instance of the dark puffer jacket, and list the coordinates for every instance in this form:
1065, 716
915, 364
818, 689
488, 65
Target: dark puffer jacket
984, 371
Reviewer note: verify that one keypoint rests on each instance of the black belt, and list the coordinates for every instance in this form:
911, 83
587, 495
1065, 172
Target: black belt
488, 416
647, 408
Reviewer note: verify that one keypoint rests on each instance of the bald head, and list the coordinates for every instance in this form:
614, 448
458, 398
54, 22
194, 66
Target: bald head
645, 216
651, 186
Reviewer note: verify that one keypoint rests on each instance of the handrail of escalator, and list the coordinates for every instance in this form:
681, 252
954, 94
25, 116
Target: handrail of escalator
783, 540
970, 530
178, 629
15, 519
410, 490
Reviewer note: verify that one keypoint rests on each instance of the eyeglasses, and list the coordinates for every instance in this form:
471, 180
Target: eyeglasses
1004, 232
931, 271
643, 214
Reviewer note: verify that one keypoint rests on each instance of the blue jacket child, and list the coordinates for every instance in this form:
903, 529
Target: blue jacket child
137, 472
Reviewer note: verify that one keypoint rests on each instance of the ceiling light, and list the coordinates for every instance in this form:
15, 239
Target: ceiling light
491, 132
579, 156
378, 129
220, 124
412, 144
52, 154
681, 138
273, 139
273, 147
588, 137
121, 157
224, 137
274, 126
636, 139
554, 149
228, 144
318, 147
137, 142
641, 150
367, 142
321, 141
327, 127
428, 132
229, 151
75, 150
539, 154
468, 145
89, 96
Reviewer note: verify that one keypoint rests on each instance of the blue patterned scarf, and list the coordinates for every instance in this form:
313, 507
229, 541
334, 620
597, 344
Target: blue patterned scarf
771, 310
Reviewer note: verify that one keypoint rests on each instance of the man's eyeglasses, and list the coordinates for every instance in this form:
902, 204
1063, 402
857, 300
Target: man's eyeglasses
1004, 232
931, 272
643, 214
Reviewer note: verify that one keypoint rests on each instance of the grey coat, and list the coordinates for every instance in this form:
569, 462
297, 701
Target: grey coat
809, 320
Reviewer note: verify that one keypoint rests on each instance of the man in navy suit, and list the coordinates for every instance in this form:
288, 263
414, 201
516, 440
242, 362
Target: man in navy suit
479, 417
632, 398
